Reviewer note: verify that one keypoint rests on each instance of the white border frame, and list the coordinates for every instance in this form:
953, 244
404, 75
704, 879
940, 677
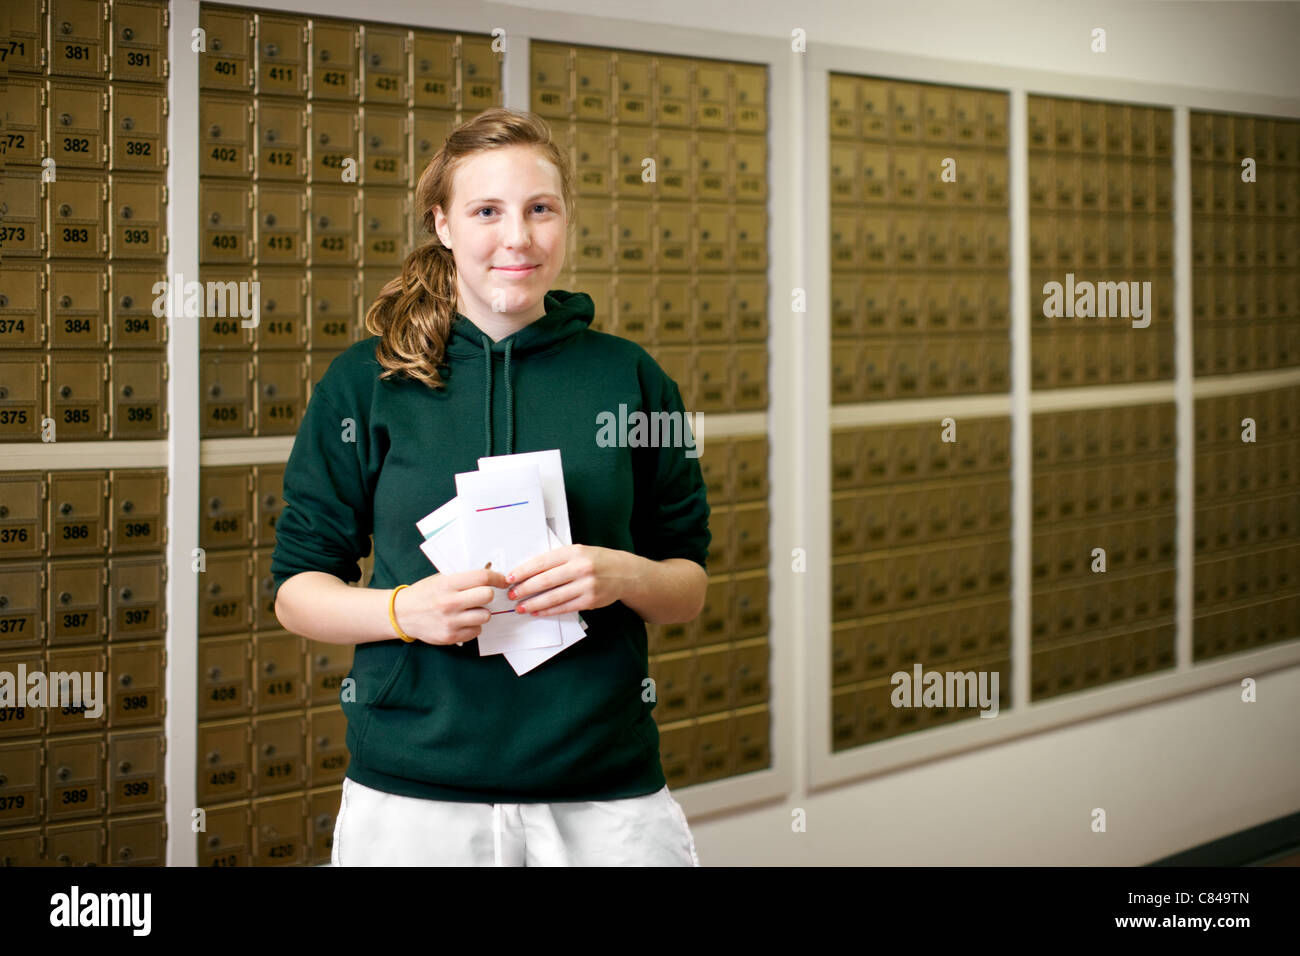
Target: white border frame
799, 415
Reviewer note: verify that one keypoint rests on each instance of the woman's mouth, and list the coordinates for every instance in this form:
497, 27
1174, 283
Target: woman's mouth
515, 270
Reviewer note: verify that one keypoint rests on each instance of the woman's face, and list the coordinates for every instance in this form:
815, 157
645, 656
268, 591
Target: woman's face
505, 225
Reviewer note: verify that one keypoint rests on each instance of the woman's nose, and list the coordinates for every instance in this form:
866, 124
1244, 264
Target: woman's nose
517, 231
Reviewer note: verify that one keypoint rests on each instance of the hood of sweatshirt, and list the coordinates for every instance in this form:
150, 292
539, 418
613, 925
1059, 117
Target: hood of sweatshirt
567, 314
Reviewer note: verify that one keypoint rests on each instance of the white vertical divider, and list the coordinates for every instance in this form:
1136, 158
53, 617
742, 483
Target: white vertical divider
1184, 407
807, 433
515, 71
1022, 475
812, 441
181, 723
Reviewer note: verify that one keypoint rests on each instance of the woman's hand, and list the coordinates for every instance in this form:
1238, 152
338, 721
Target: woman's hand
447, 608
575, 577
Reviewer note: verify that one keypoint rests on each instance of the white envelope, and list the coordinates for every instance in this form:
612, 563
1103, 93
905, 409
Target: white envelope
503, 523
551, 471
445, 549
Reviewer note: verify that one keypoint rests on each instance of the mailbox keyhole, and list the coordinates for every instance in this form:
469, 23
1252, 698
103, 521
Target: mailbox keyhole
65, 119
65, 508
126, 212
127, 33
125, 680
64, 773
124, 767
125, 594
127, 391
128, 123
272, 50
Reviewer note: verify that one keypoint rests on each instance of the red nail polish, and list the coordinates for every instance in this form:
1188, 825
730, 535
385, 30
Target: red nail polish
510, 579
511, 594
521, 609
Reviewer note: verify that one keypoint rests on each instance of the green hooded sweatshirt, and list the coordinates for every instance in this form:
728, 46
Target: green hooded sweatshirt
374, 456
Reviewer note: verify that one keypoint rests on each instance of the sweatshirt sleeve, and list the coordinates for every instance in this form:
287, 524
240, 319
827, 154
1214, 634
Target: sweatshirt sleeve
671, 514
328, 516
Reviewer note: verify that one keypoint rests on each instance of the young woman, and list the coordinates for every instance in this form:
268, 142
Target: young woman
455, 759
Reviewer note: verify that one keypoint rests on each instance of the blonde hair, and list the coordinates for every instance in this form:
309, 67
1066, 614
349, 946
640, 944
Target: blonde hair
415, 310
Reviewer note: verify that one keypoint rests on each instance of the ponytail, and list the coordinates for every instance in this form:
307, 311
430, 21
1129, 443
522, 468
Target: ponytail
413, 315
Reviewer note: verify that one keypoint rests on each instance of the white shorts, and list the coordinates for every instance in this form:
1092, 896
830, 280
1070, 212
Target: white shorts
384, 829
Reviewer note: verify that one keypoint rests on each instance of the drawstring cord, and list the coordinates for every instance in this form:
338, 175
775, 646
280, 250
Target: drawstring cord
510, 405
487, 397
487, 400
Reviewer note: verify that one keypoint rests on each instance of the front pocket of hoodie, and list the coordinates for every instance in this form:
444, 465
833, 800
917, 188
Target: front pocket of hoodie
394, 674
385, 692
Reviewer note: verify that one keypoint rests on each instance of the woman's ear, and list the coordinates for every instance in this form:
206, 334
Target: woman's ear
440, 226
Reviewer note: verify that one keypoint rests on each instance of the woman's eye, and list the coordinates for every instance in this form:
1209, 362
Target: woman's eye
542, 206
483, 209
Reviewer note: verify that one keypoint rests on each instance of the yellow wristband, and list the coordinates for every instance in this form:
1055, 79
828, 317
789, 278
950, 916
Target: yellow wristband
392, 613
